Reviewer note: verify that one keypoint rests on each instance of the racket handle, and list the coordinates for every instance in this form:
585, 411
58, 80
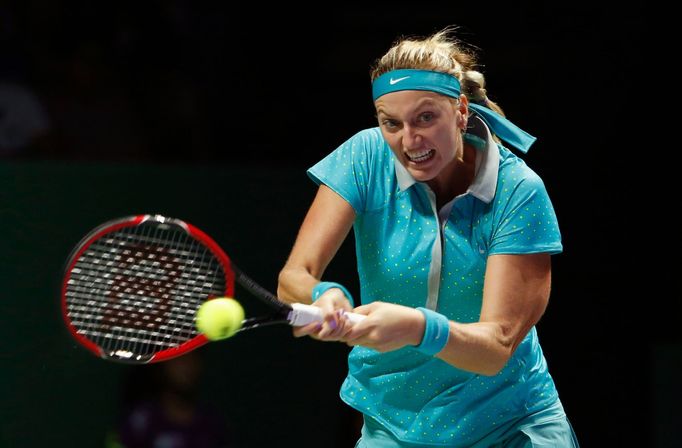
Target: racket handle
302, 314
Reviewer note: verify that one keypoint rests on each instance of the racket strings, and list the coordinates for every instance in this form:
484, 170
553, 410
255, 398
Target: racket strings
136, 289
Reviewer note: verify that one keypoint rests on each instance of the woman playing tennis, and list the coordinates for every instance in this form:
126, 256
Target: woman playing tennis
454, 235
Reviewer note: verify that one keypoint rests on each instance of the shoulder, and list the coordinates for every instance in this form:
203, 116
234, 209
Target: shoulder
368, 147
361, 162
367, 139
515, 174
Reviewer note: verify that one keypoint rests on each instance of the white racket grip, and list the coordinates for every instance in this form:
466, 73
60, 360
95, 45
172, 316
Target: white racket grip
303, 314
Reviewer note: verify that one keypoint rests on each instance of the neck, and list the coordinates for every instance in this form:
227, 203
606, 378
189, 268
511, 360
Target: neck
456, 177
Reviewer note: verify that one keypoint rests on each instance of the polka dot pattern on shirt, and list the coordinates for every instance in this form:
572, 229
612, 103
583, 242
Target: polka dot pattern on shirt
419, 398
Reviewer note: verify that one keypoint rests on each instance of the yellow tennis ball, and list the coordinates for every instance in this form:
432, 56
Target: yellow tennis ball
219, 318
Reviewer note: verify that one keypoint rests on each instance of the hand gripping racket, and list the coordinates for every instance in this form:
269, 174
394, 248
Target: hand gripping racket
132, 287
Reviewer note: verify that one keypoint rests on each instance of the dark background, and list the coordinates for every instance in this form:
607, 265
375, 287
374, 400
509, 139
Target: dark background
212, 114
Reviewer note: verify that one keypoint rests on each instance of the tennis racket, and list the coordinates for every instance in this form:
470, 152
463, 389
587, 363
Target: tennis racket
132, 287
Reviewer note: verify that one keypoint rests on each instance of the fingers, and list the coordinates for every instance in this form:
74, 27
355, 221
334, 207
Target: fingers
357, 336
386, 327
361, 332
334, 298
307, 330
367, 309
368, 338
334, 326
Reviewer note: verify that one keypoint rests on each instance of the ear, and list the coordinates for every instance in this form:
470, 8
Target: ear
464, 105
464, 110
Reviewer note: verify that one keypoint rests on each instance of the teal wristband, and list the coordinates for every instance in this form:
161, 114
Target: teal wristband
322, 287
436, 332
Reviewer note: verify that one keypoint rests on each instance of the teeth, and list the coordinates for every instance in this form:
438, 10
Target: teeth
420, 156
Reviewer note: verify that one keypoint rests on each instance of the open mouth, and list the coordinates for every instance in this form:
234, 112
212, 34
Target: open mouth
421, 156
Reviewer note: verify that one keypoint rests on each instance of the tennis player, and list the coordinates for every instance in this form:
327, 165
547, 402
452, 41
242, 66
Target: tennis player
454, 235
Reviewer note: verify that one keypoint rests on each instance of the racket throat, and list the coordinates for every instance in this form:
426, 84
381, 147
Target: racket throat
263, 321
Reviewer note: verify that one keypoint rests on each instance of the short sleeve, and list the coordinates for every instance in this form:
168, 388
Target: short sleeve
346, 170
526, 222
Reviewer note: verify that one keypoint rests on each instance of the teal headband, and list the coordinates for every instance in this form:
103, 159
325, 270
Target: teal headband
410, 79
448, 85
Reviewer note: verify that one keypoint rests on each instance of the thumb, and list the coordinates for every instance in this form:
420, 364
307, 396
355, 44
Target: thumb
365, 309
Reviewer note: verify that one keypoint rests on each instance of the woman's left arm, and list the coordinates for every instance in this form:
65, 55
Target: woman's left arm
515, 295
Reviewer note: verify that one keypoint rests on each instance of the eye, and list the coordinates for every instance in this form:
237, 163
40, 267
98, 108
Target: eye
389, 124
426, 117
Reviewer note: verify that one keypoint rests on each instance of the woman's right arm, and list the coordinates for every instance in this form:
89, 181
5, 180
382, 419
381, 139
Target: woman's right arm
324, 229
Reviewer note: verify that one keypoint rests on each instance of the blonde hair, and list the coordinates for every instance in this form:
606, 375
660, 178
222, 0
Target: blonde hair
440, 52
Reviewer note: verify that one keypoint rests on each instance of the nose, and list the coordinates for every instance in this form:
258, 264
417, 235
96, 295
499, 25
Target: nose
411, 137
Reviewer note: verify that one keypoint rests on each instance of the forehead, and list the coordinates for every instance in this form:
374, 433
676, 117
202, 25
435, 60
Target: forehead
406, 101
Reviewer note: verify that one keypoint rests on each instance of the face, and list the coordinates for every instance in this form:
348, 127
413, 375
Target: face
423, 129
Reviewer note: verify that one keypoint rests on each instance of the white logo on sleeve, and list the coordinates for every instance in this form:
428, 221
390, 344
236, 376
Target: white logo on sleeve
396, 81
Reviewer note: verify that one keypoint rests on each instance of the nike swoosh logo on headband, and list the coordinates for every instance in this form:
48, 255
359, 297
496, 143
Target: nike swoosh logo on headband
396, 81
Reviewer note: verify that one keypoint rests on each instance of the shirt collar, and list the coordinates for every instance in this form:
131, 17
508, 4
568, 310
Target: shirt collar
485, 183
405, 179
487, 165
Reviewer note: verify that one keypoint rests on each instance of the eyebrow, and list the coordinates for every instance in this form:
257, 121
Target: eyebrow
421, 103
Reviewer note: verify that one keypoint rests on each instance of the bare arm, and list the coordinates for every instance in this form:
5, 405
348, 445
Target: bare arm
515, 295
324, 229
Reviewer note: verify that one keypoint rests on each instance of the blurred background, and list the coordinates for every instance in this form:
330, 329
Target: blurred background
212, 113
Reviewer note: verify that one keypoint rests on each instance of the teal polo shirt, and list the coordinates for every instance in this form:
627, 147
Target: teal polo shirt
411, 253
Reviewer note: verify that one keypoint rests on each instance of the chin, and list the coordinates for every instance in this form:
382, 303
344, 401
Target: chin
422, 175
425, 172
